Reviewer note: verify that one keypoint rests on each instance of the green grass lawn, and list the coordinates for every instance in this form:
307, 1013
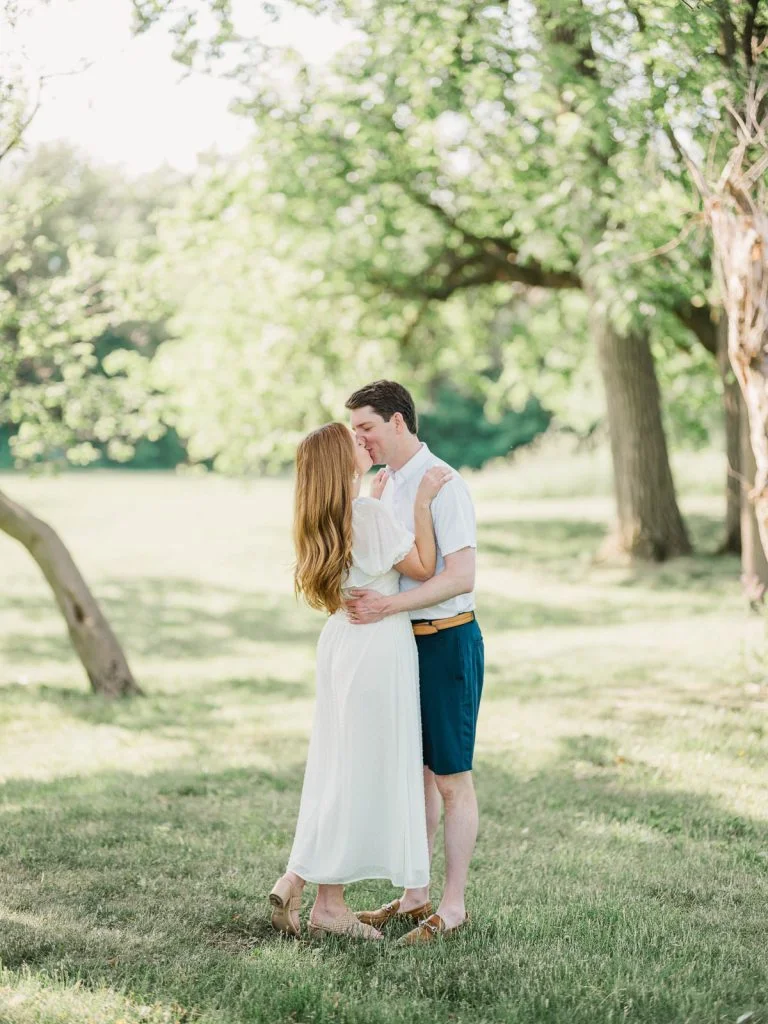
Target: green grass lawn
621, 872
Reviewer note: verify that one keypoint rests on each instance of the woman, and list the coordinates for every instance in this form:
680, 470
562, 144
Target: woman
362, 804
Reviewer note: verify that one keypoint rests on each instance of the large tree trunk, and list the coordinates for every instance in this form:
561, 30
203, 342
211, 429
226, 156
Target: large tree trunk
95, 643
732, 415
649, 523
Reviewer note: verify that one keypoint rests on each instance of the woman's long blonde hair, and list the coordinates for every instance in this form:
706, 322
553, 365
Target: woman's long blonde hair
322, 522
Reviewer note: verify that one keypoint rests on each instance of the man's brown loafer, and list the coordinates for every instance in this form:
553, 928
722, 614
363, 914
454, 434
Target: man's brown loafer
428, 930
377, 918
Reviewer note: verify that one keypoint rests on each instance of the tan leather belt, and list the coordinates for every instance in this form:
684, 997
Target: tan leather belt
435, 625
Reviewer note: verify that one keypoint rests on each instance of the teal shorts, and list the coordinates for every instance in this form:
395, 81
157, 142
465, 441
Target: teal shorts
451, 665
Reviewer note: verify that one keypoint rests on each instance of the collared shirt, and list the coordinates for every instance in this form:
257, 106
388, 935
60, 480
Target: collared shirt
453, 515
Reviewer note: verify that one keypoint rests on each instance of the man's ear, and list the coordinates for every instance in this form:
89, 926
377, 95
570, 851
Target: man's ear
399, 422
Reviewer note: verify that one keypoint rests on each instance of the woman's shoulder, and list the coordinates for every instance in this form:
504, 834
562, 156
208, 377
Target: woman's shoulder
369, 513
370, 508
378, 540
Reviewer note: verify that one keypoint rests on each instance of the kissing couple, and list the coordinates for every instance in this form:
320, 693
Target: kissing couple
399, 674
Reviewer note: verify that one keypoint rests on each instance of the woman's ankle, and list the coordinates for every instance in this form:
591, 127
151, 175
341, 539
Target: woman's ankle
415, 897
332, 908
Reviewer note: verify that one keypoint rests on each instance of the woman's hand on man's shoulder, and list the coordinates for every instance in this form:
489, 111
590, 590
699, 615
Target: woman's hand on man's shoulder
433, 482
379, 483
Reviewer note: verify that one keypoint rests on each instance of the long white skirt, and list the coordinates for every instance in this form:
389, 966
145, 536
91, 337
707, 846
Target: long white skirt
362, 804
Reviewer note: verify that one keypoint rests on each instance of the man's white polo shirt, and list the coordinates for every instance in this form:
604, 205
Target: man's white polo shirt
453, 515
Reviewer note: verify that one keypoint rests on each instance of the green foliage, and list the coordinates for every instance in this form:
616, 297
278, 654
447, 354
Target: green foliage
200, 32
73, 385
457, 214
166, 452
457, 429
6, 460
439, 216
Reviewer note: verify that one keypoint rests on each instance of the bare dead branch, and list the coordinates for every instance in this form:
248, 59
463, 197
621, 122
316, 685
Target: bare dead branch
698, 178
662, 250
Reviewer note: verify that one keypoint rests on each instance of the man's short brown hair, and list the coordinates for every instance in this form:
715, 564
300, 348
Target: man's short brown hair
386, 397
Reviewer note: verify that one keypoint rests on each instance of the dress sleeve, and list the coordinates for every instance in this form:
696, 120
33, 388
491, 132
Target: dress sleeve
379, 540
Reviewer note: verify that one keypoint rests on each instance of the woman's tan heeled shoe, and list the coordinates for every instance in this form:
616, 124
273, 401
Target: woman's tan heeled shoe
348, 924
285, 900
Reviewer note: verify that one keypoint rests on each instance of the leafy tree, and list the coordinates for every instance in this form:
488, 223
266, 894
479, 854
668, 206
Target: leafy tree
271, 344
53, 306
500, 149
459, 431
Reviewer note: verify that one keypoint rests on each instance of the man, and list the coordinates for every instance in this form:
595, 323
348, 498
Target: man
449, 642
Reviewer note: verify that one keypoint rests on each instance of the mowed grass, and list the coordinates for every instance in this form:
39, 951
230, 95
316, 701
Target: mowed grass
621, 872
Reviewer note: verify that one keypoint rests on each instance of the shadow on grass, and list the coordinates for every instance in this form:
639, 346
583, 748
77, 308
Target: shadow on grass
190, 619
707, 534
498, 614
186, 712
174, 619
596, 888
538, 541
567, 545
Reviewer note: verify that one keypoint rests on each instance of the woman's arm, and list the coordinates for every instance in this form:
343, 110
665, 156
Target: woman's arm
420, 562
458, 577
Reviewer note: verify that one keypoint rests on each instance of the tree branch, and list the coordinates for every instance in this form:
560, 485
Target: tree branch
698, 320
749, 27
727, 34
21, 127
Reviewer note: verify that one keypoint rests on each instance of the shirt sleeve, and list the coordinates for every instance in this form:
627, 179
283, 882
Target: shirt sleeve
379, 540
453, 514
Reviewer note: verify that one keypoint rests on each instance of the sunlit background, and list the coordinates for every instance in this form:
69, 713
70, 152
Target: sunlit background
123, 99
216, 220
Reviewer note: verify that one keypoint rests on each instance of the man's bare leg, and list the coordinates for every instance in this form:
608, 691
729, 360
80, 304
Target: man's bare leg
461, 821
413, 898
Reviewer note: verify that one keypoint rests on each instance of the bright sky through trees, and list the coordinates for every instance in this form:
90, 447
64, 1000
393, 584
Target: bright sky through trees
123, 99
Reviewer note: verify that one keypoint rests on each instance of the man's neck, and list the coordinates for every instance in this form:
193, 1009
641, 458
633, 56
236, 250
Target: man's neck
411, 445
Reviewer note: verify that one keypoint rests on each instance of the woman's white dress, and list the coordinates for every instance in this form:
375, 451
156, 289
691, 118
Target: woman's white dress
362, 804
